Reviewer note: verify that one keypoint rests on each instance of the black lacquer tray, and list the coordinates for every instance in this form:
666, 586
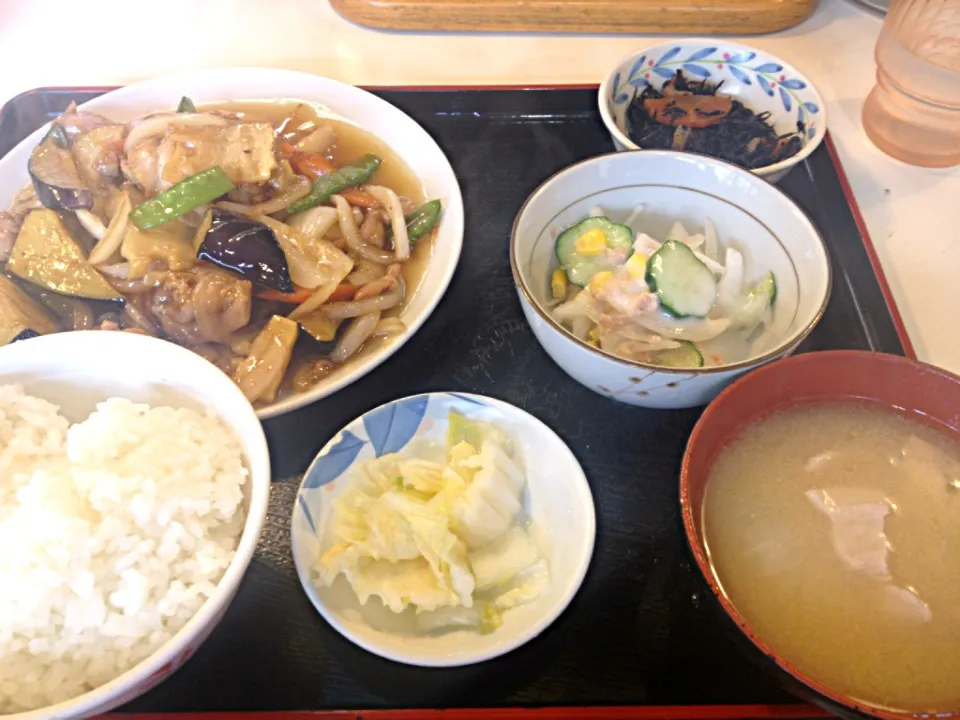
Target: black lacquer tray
640, 640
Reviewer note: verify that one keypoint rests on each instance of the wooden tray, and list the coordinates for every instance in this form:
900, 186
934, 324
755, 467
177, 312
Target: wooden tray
712, 17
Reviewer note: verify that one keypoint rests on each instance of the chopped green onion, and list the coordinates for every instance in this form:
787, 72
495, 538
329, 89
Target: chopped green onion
186, 105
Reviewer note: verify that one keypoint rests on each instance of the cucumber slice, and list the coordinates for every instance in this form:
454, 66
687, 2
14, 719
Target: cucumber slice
685, 356
580, 266
686, 287
757, 303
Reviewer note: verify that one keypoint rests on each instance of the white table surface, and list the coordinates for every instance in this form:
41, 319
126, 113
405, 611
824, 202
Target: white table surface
913, 215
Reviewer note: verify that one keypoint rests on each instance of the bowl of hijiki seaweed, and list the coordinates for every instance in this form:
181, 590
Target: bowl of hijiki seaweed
657, 277
715, 98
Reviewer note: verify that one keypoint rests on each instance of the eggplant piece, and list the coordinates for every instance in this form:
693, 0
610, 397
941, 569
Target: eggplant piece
20, 317
56, 178
46, 254
248, 248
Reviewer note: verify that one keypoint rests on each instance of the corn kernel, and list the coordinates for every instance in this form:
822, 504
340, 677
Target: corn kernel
637, 265
591, 243
558, 284
593, 337
599, 280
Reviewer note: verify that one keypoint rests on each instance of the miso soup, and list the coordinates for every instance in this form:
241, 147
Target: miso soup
835, 530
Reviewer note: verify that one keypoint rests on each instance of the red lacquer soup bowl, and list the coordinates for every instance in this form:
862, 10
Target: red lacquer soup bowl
927, 393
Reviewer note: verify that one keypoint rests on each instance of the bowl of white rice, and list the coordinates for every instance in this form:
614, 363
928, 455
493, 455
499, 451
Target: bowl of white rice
134, 481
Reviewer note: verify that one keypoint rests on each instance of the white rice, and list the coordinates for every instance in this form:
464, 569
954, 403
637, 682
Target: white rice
113, 533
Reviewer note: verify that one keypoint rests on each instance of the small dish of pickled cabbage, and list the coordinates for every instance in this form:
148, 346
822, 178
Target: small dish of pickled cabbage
443, 529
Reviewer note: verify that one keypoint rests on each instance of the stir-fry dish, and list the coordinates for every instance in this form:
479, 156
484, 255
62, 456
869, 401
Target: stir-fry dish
272, 240
672, 304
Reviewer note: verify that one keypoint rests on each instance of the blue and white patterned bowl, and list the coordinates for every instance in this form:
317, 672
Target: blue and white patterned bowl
761, 81
557, 503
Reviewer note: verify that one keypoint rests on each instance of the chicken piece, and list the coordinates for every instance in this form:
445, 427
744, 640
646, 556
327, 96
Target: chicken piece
244, 151
202, 305
623, 297
97, 155
141, 167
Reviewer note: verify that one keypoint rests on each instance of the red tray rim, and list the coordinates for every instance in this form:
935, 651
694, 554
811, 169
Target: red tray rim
640, 712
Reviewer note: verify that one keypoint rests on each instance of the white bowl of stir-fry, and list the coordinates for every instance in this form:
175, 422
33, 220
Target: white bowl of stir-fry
657, 277
293, 230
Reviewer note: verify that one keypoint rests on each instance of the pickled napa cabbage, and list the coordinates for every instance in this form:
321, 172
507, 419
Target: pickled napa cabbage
443, 540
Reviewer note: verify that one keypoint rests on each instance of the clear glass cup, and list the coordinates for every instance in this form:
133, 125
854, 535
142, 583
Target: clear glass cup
913, 112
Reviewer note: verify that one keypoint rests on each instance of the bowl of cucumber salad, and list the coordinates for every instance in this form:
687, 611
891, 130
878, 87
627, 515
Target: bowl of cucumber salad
657, 277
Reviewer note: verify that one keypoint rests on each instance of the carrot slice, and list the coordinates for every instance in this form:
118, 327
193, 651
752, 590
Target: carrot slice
356, 196
298, 296
313, 166
344, 291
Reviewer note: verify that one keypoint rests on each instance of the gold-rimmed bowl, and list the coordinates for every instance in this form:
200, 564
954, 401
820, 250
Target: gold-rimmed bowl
751, 215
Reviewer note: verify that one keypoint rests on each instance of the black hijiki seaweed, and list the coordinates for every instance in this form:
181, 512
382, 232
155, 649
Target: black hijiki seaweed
742, 137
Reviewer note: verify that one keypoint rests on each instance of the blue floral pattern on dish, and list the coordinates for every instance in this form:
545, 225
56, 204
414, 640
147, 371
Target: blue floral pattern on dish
392, 426
329, 467
706, 63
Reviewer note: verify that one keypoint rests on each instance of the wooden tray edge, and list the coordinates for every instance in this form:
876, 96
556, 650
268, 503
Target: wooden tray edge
726, 17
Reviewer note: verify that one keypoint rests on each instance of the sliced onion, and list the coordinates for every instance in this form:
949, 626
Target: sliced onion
365, 272
343, 310
730, 286
710, 246
91, 223
354, 337
391, 203
389, 327
113, 237
302, 271
318, 141
318, 298
300, 188
158, 124
311, 261
350, 232
699, 330
315, 222
120, 271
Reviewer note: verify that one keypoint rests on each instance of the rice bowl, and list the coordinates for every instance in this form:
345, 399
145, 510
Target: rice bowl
131, 530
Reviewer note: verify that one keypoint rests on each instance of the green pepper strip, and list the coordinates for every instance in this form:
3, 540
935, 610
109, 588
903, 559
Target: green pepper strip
421, 221
186, 105
183, 197
337, 181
